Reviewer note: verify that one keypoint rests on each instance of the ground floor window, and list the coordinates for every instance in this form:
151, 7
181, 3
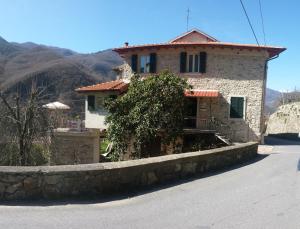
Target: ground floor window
237, 107
91, 102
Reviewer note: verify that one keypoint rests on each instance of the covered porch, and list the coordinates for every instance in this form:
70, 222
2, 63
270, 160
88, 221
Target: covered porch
201, 109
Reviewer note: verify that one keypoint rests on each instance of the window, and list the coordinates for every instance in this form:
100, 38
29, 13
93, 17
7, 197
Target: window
100, 102
91, 102
237, 105
145, 64
193, 63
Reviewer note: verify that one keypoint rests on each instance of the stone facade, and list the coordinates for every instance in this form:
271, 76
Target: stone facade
54, 182
69, 148
233, 73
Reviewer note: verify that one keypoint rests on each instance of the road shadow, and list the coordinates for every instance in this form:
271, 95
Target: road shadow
92, 199
278, 140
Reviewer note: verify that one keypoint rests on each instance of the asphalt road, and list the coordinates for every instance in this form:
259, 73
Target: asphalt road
261, 194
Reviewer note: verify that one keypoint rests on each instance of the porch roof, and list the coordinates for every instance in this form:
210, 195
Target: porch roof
117, 85
202, 93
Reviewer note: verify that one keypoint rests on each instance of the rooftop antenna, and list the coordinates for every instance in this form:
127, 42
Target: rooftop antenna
187, 19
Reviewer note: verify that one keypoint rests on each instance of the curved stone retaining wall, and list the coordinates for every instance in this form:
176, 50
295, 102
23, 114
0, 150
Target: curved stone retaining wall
53, 182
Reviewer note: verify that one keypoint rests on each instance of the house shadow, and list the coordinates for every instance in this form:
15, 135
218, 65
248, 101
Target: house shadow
282, 139
140, 191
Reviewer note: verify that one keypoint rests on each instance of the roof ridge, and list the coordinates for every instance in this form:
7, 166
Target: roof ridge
191, 31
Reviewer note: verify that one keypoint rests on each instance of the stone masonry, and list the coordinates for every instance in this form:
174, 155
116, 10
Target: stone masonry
233, 73
68, 148
67, 181
285, 120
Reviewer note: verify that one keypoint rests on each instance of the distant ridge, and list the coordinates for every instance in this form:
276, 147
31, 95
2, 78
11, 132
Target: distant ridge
62, 70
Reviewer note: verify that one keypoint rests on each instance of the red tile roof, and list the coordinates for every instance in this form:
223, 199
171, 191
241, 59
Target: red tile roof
273, 51
117, 85
202, 93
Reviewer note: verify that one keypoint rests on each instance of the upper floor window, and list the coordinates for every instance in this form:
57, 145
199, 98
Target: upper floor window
145, 64
193, 62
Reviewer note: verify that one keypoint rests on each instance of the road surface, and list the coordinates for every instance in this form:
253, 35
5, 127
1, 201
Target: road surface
262, 194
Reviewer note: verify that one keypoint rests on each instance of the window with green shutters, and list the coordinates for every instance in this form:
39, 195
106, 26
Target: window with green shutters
193, 63
237, 107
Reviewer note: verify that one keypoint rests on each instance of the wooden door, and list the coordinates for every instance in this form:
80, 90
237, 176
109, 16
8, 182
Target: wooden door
203, 114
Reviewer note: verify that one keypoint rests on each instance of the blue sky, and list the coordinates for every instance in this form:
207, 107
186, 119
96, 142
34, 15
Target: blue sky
93, 25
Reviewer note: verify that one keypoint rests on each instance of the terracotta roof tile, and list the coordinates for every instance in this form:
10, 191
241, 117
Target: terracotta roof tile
117, 85
202, 93
273, 51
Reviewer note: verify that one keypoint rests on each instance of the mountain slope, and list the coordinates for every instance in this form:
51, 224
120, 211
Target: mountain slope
272, 97
61, 70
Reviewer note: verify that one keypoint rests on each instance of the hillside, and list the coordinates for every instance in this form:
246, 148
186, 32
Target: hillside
61, 70
272, 97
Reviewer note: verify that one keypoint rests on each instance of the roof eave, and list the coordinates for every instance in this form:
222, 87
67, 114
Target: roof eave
273, 51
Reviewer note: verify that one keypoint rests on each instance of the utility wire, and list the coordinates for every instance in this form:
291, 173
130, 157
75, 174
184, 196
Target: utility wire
249, 21
262, 22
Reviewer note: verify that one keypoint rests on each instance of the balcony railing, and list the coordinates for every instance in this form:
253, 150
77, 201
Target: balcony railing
201, 124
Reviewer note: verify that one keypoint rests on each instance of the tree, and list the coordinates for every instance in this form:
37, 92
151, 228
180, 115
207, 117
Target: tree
24, 127
151, 106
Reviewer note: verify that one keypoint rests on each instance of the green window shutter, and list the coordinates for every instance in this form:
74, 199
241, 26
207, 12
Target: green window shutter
237, 107
153, 63
134, 64
183, 62
91, 102
203, 57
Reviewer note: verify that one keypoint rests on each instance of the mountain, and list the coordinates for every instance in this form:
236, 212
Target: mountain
272, 97
60, 70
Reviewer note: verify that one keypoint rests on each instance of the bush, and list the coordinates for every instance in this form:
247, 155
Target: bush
9, 155
150, 106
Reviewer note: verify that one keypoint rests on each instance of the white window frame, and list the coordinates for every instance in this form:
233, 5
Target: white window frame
244, 108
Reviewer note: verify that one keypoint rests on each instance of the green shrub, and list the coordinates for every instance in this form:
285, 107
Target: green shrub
103, 145
9, 155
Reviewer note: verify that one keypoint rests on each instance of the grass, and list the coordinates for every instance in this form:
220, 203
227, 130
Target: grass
103, 145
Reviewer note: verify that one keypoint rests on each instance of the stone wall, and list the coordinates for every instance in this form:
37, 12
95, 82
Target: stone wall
233, 73
68, 148
286, 119
53, 182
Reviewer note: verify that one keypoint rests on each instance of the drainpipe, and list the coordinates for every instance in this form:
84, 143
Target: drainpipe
265, 88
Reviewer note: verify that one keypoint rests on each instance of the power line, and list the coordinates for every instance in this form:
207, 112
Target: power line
262, 22
249, 21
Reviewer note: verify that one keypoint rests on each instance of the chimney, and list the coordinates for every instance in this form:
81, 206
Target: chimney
126, 44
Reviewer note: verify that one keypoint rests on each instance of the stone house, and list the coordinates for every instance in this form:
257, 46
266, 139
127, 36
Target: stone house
229, 83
